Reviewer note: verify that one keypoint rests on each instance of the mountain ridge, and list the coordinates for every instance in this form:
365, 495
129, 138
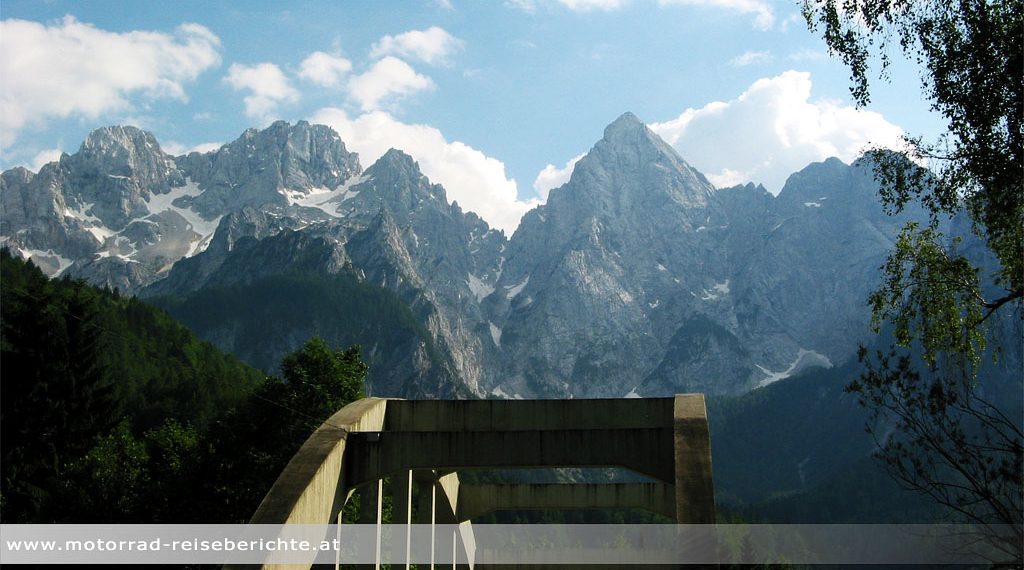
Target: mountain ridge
605, 290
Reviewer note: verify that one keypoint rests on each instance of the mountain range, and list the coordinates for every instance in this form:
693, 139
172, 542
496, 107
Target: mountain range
636, 278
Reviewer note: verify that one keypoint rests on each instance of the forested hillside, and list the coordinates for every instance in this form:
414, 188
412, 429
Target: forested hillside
114, 412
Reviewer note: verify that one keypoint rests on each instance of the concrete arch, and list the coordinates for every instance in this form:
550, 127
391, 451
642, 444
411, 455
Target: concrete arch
430, 441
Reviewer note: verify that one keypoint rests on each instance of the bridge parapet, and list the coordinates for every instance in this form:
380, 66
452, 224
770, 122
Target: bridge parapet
427, 443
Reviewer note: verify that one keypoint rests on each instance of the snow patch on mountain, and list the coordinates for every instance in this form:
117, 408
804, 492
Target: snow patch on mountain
498, 392
479, 288
495, 334
47, 260
93, 224
804, 359
717, 290
160, 203
325, 199
514, 290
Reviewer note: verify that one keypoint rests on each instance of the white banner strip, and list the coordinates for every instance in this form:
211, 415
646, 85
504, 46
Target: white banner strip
508, 544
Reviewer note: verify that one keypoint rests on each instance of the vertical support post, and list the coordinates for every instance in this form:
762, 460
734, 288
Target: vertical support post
403, 508
433, 522
337, 540
695, 488
380, 515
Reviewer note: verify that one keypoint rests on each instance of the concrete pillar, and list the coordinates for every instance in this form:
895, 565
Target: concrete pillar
695, 489
380, 516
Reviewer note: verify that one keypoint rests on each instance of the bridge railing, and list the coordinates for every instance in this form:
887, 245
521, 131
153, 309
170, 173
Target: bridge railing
427, 443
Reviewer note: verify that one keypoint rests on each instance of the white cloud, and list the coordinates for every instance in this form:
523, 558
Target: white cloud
324, 69
772, 130
553, 177
526, 6
751, 58
44, 157
268, 85
764, 15
389, 78
476, 181
175, 148
73, 68
433, 46
726, 178
588, 5
808, 55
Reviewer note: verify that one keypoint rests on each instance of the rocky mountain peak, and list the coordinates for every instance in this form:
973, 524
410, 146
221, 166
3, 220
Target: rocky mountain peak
116, 170
633, 169
399, 186
128, 152
113, 140
395, 160
626, 125
277, 165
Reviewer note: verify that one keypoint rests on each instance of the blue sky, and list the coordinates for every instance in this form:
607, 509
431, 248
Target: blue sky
494, 99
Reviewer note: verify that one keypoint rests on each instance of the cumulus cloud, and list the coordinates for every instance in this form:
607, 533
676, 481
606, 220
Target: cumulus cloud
588, 5
476, 181
527, 6
45, 157
72, 68
267, 85
751, 58
175, 148
324, 69
553, 177
433, 46
764, 16
388, 79
772, 130
809, 55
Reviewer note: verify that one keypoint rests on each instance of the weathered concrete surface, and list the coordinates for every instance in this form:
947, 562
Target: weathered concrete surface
664, 438
695, 487
306, 490
476, 500
529, 415
646, 451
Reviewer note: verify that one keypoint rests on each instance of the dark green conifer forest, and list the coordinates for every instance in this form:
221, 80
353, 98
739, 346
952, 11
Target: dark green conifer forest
113, 412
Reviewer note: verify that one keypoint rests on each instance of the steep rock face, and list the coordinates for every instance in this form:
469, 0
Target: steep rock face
277, 165
33, 219
115, 173
806, 283
76, 207
585, 297
193, 273
391, 228
120, 212
636, 278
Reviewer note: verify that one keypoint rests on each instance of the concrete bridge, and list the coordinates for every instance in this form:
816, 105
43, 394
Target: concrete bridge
426, 444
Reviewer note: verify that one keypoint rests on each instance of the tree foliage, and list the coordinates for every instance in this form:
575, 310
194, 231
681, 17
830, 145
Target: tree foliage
111, 412
972, 56
255, 441
953, 444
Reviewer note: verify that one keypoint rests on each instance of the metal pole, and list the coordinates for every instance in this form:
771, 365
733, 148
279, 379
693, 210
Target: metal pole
433, 521
408, 517
380, 515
